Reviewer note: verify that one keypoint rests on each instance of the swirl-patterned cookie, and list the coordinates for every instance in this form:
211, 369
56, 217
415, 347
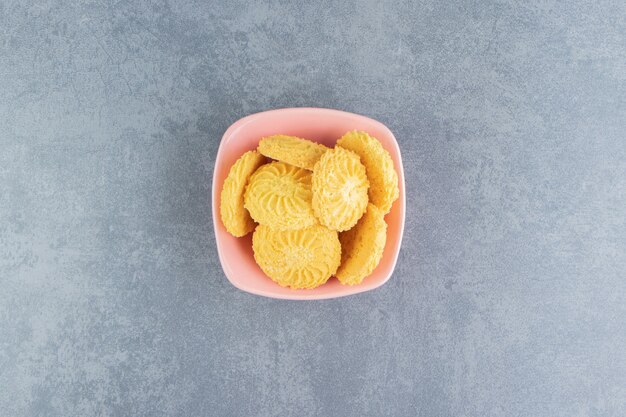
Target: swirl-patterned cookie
235, 217
339, 189
362, 247
279, 195
303, 258
382, 176
292, 150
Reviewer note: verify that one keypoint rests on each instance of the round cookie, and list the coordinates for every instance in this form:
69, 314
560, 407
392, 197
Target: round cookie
362, 247
292, 150
279, 195
339, 189
382, 176
303, 258
235, 217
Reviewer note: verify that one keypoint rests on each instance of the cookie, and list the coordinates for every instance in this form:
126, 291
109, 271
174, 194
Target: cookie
362, 247
235, 217
279, 195
382, 176
303, 258
339, 189
292, 150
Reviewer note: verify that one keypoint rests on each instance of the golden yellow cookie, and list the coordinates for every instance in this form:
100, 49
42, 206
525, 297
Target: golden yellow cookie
303, 258
235, 217
339, 189
279, 195
292, 150
362, 247
380, 171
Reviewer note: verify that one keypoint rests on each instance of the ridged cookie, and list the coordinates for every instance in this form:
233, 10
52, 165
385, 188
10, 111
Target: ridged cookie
303, 258
292, 150
339, 189
234, 216
382, 176
362, 247
279, 195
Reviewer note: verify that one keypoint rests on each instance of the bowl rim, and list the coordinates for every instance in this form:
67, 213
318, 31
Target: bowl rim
352, 290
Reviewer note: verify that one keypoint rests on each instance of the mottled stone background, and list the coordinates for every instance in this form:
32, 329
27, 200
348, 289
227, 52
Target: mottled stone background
509, 298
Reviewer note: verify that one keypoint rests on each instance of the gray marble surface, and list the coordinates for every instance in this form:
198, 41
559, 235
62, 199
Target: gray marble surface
509, 298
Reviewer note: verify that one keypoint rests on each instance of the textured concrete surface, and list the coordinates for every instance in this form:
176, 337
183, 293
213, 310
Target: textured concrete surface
509, 298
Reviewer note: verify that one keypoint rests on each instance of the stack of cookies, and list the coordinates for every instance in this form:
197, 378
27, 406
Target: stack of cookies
315, 211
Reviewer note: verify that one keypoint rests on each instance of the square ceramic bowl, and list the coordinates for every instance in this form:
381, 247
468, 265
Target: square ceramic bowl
321, 125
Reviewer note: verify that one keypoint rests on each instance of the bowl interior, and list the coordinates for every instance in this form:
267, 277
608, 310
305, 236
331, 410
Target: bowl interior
321, 125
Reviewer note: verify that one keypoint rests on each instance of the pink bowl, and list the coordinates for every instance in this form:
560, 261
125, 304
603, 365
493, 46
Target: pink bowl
321, 125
